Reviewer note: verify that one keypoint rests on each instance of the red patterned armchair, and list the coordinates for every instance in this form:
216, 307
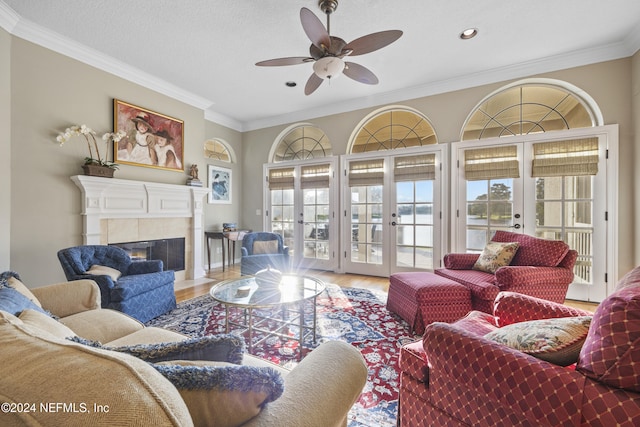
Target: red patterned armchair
456, 376
540, 268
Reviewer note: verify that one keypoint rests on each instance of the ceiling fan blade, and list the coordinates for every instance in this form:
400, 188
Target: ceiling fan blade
294, 60
314, 29
359, 73
372, 42
313, 83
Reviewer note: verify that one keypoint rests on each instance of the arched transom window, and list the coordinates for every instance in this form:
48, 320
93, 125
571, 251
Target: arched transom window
391, 129
302, 142
526, 109
216, 149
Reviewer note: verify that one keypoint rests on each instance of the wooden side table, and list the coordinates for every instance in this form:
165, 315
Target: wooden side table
213, 235
232, 237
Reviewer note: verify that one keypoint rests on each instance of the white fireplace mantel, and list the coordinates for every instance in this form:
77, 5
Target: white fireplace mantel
108, 198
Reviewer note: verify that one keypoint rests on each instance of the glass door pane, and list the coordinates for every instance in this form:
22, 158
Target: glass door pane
316, 224
282, 216
414, 227
564, 211
489, 207
366, 224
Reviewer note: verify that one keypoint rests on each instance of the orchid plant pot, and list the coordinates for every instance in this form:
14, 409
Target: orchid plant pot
94, 164
98, 170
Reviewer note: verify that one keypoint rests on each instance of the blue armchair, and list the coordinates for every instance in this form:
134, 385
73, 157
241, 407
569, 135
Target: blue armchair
263, 249
137, 288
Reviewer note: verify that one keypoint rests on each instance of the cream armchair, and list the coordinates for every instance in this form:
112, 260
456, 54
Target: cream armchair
101, 386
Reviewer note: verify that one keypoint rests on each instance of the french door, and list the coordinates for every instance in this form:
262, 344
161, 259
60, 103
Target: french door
300, 204
554, 185
392, 211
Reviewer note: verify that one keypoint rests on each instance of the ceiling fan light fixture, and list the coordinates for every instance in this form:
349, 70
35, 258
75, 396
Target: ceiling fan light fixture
328, 67
469, 33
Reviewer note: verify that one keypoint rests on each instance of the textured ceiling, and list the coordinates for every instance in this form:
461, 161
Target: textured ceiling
203, 51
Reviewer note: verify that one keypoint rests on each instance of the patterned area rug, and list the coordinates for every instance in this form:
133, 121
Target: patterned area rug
357, 316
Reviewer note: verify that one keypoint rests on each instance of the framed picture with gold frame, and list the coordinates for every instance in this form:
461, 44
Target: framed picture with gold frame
151, 139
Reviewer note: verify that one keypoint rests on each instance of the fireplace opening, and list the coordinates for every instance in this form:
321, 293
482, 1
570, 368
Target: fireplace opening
170, 251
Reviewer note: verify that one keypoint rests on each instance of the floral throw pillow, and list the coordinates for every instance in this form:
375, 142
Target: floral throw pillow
558, 341
496, 255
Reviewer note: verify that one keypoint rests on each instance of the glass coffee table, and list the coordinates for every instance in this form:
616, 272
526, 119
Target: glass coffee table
266, 310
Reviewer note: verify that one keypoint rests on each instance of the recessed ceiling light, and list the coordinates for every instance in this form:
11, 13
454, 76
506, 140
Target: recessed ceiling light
291, 84
469, 33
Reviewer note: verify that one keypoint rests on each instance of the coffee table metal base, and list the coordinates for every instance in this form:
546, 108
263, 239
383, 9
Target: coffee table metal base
286, 322
262, 309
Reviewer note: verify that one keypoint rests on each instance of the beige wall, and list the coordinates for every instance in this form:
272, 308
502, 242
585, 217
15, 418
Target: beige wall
43, 92
608, 83
5, 150
216, 214
50, 92
635, 93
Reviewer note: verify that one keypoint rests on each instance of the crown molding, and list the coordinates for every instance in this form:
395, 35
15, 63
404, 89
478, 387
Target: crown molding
563, 61
17, 26
632, 41
33, 33
223, 120
8, 17
68, 47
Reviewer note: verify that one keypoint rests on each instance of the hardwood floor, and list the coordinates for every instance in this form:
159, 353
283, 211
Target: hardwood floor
191, 289
587, 306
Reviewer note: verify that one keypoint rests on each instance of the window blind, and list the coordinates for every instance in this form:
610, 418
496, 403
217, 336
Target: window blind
280, 179
491, 163
366, 172
575, 157
414, 168
315, 176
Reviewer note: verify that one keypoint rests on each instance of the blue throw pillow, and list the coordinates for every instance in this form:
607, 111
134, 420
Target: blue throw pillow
14, 302
223, 395
222, 348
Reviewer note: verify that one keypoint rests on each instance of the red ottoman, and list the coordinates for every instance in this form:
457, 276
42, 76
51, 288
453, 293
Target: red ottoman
421, 298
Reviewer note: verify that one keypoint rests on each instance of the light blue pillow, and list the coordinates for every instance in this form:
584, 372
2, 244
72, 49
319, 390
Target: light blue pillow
14, 302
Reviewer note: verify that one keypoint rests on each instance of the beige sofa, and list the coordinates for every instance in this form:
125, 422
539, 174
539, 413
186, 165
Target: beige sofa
46, 379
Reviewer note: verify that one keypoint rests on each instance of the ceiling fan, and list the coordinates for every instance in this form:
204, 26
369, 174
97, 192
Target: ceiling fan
327, 51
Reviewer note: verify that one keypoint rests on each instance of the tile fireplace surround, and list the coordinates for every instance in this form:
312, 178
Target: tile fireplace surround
118, 210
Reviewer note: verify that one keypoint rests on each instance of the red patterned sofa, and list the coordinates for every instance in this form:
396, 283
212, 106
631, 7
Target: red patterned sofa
457, 377
540, 268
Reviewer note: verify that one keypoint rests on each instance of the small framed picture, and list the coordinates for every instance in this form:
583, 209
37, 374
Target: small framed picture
219, 184
152, 139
